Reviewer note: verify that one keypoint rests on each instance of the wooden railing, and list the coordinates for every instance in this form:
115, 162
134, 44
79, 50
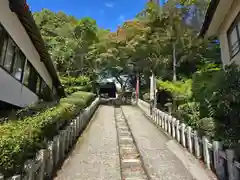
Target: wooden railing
221, 162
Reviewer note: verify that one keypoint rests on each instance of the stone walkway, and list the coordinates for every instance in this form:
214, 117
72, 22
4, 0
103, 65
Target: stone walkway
164, 159
96, 155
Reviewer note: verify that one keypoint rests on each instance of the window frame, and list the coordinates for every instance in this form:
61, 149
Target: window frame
6, 36
234, 26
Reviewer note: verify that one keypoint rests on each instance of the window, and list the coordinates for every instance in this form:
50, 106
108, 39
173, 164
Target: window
38, 91
3, 48
27, 74
18, 66
234, 37
7, 64
32, 84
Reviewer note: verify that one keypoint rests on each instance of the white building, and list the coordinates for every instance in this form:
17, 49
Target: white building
26, 70
223, 20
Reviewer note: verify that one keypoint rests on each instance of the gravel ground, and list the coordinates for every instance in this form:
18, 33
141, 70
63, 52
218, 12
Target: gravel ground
96, 155
160, 162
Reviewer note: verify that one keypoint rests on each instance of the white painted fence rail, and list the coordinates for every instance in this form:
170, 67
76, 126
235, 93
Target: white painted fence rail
221, 162
48, 159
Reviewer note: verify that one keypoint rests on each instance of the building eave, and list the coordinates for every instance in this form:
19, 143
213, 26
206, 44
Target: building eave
209, 16
27, 20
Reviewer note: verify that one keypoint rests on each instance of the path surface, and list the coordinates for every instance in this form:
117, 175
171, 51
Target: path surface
96, 156
164, 159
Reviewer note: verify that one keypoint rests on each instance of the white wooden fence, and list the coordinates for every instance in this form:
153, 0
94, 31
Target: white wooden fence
48, 159
222, 163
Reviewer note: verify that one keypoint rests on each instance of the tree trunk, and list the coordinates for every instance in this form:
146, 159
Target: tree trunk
174, 62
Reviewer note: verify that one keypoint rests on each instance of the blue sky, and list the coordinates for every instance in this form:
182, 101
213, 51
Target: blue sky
108, 13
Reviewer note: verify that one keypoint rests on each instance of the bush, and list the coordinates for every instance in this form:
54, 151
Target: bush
189, 114
73, 89
75, 81
31, 110
180, 90
20, 140
219, 99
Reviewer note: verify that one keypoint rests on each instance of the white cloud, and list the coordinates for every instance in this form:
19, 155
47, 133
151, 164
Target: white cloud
109, 5
121, 18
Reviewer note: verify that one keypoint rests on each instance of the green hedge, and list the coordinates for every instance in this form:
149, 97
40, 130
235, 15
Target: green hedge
73, 89
20, 140
181, 91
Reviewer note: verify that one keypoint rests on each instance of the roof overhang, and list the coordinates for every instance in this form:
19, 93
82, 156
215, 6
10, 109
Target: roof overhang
215, 16
27, 20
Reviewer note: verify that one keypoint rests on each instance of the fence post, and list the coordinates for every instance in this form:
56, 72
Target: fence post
166, 122
43, 155
29, 169
158, 117
57, 149
206, 156
178, 130
183, 134
218, 161
161, 119
232, 169
17, 177
173, 127
1, 177
196, 145
50, 158
169, 124
189, 138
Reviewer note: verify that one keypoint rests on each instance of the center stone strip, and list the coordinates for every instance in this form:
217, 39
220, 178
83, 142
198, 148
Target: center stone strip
131, 163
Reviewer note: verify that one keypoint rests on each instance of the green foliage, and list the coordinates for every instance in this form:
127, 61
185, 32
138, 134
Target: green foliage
180, 90
189, 114
20, 140
74, 84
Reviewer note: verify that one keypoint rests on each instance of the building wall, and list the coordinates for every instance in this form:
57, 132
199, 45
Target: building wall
229, 18
16, 30
13, 92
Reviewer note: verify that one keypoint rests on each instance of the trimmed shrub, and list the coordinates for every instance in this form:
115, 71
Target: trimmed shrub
20, 140
180, 91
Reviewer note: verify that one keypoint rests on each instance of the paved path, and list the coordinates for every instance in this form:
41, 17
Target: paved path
164, 159
96, 156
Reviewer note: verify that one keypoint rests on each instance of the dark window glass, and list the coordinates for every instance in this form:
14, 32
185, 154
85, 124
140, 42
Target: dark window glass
27, 74
234, 37
33, 80
38, 91
7, 64
1, 41
4, 48
18, 66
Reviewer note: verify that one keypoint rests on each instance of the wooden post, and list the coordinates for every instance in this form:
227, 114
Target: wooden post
178, 130
43, 155
196, 145
1, 177
173, 128
29, 169
218, 161
50, 158
166, 122
183, 134
16, 177
57, 155
169, 124
206, 156
161, 119
232, 169
189, 138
